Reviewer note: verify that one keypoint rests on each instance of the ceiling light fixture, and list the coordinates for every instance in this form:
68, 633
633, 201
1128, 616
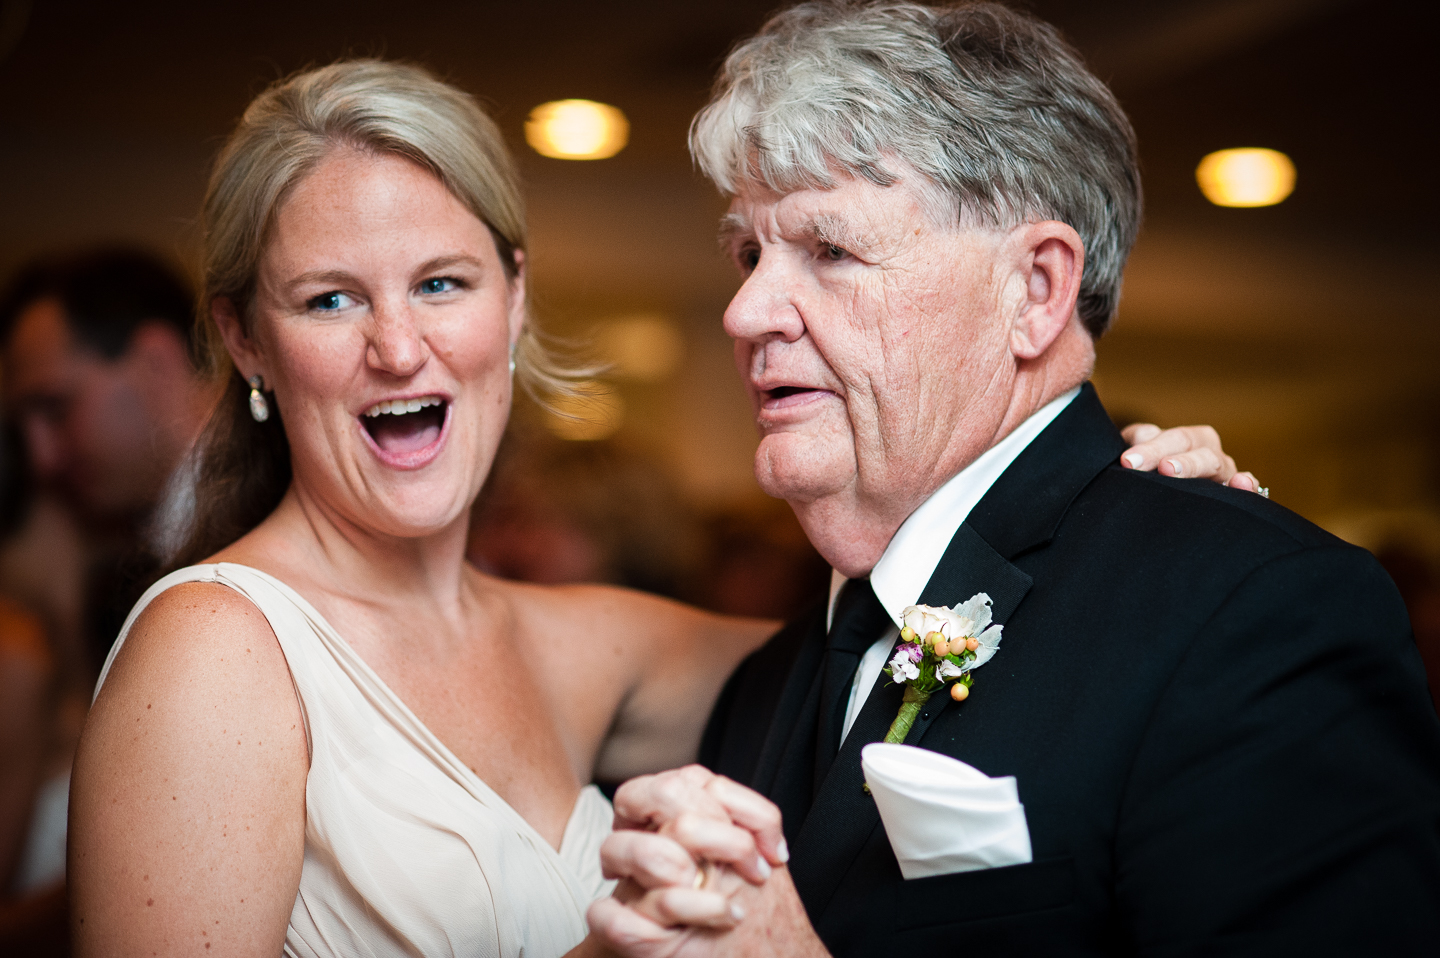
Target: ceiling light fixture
1250, 176
577, 130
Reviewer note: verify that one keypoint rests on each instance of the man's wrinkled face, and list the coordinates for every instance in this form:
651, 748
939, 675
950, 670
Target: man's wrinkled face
873, 340
86, 425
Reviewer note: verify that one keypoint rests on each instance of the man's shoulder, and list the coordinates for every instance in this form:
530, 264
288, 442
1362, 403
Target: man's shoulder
1156, 508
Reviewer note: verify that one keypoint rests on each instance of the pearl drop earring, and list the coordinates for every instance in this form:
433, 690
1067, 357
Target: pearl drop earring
259, 408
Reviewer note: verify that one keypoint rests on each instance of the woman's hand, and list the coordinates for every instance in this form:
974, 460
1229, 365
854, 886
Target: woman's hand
1185, 452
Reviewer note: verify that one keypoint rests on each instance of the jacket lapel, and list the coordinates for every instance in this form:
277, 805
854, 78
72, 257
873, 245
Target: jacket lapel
844, 814
1020, 512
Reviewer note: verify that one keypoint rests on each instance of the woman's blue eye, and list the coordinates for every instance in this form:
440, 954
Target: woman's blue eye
327, 302
439, 284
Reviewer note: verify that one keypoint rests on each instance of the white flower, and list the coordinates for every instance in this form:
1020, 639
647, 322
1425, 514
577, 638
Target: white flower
902, 669
963, 620
924, 619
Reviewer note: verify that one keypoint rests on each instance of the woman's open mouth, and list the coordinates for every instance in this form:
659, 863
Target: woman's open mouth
400, 428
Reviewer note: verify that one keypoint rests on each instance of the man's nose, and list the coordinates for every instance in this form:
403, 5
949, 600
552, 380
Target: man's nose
397, 344
765, 308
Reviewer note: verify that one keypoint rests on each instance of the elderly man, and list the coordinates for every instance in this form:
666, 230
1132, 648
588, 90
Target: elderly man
1215, 719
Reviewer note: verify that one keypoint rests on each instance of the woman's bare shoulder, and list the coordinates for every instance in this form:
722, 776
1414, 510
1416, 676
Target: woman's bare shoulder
198, 641
191, 771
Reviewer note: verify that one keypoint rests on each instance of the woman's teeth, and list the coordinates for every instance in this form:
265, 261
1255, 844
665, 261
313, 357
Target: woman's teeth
400, 407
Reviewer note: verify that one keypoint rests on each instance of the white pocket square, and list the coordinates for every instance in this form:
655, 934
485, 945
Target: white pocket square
943, 816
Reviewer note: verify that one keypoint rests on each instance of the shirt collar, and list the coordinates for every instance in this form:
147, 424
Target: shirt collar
920, 542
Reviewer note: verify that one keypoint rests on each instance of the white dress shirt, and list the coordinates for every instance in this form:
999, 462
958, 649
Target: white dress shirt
919, 544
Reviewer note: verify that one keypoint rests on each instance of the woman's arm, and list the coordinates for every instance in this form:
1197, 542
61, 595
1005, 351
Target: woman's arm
634, 675
187, 806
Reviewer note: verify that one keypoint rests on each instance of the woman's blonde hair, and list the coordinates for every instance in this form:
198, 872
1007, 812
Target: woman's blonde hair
366, 104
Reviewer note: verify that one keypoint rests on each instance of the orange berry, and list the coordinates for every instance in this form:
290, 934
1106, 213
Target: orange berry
959, 692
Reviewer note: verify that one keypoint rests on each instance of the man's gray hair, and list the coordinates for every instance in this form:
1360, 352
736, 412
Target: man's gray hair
990, 105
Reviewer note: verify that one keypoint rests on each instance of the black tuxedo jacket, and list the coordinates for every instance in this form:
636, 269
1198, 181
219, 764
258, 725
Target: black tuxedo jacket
1214, 711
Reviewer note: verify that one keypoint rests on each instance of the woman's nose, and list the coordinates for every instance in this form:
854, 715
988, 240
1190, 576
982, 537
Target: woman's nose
397, 345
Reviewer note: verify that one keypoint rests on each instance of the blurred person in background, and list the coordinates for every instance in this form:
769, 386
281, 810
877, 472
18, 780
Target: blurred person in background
98, 375
555, 512
102, 402
36, 742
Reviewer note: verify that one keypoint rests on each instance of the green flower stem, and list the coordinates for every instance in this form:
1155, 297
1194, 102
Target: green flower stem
909, 709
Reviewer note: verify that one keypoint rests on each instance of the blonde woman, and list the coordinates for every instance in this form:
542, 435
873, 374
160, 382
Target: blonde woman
330, 735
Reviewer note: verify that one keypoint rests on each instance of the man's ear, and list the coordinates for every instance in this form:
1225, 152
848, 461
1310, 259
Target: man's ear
243, 349
1052, 259
159, 348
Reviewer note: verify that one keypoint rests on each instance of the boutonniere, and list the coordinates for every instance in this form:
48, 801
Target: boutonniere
939, 646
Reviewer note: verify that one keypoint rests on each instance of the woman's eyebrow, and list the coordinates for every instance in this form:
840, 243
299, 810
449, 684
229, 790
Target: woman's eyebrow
337, 277
448, 260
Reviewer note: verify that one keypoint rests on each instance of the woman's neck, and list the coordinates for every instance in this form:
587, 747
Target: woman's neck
307, 541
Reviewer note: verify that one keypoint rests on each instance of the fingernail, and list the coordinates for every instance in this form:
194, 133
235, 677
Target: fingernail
1134, 460
782, 851
1175, 466
737, 912
762, 866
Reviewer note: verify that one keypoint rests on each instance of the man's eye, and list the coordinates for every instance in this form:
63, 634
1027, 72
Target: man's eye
438, 284
833, 252
749, 258
328, 302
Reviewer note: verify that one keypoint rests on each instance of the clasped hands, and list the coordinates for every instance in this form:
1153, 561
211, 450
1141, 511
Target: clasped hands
701, 863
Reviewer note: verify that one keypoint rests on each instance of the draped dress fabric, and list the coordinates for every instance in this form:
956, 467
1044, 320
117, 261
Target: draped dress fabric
407, 851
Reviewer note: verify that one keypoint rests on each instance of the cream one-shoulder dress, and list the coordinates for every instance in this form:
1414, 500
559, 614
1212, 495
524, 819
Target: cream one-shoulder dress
407, 851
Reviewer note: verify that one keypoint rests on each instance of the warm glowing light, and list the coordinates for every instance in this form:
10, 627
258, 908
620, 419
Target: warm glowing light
577, 130
643, 348
1246, 177
595, 412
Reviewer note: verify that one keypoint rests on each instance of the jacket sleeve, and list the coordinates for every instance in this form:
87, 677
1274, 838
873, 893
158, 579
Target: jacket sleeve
1285, 797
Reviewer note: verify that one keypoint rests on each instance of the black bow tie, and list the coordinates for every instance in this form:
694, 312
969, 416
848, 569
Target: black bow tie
859, 620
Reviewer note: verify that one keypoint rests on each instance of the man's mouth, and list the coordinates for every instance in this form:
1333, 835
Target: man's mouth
401, 427
785, 397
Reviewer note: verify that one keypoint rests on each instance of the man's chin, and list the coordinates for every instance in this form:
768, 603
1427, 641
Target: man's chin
790, 470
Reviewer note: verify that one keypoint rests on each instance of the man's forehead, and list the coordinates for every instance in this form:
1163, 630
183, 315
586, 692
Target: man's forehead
854, 209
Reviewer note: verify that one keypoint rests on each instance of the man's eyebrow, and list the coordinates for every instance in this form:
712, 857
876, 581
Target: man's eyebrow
732, 227
836, 231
